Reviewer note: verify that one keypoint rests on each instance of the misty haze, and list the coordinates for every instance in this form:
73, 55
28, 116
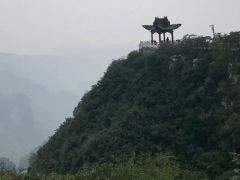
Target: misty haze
130, 89
37, 94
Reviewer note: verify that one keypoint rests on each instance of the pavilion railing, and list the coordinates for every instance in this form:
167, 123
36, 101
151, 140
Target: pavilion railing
154, 45
148, 44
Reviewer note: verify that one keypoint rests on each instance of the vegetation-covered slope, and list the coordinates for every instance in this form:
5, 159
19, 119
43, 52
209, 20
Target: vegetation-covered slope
182, 99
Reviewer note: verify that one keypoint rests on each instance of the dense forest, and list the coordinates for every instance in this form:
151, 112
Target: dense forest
170, 114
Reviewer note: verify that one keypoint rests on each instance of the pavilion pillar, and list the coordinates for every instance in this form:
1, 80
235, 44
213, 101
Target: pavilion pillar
164, 37
152, 37
160, 39
172, 37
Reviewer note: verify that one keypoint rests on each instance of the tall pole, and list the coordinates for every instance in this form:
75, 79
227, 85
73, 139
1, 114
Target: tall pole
213, 30
164, 37
172, 37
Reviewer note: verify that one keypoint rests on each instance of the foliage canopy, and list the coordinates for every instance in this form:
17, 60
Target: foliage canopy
182, 99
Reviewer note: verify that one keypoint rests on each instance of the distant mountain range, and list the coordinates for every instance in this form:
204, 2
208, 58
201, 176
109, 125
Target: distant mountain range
30, 110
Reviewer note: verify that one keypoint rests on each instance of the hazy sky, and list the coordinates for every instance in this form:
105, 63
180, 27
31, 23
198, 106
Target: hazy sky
69, 26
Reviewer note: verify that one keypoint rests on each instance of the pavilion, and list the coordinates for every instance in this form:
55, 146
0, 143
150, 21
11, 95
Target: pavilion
161, 26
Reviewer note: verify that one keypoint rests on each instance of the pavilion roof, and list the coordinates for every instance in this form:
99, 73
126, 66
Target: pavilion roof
161, 25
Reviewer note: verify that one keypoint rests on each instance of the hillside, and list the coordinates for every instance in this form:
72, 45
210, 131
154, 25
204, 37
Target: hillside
183, 99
